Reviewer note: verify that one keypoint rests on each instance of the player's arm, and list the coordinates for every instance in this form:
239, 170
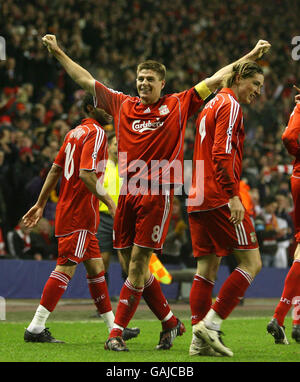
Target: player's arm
209, 85
291, 135
35, 213
80, 75
222, 156
92, 183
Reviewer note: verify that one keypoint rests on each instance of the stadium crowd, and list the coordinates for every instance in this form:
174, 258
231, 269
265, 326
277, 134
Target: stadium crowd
39, 103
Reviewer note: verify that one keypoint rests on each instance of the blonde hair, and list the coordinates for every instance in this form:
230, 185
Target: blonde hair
245, 69
157, 67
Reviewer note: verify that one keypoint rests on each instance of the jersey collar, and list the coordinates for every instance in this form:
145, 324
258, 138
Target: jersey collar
228, 91
90, 120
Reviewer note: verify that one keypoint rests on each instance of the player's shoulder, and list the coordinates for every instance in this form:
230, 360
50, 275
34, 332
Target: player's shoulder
228, 96
216, 102
296, 109
90, 126
179, 94
226, 100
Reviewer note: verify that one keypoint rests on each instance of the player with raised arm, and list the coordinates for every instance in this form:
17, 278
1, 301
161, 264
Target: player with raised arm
150, 131
291, 291
219, 223
80, 163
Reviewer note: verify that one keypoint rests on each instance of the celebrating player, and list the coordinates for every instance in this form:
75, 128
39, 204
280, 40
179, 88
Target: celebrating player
219, 223
150, 131
291, 292
80, 162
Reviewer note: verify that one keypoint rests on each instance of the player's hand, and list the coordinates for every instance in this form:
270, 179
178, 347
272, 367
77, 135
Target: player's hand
260, 48
49, 40
297, 97
31, 218
237, 210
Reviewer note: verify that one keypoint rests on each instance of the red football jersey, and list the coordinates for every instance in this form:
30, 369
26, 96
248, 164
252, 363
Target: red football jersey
290, 138
219, 148
150, 137
84, 148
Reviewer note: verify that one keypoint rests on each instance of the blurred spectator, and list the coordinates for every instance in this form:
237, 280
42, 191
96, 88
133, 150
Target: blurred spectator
271, 230
23, 244
44, 239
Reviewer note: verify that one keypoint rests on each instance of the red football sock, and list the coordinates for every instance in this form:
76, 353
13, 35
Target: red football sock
54, 289
99, 292
200, 298
232, 292
128, 302
291, 289
157, 302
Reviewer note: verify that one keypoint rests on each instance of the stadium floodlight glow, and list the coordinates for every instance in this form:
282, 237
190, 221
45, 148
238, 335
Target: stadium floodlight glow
2, 49
2, 308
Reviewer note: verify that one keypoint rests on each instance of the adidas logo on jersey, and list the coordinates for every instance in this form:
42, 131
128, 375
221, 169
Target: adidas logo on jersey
147, 110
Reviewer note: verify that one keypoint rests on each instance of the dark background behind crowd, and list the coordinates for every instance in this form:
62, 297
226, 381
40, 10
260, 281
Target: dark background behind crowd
39, 103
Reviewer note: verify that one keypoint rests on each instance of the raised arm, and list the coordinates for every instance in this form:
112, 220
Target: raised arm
80, 75
215, 81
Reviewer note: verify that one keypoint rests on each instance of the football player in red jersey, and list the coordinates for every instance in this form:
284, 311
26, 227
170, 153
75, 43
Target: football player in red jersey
291, 292
219, 223
150, 131
79, 163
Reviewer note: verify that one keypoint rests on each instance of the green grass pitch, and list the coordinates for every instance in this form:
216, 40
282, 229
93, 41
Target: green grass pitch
245, 334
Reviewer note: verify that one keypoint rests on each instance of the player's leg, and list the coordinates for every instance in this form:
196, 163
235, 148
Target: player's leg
202, 286
291, 289
98, 289
231, 292
155, 299
105, 239
151, 229
290, 294
53, 291
130, 295
240, 239
201, 300
124, 266
106, 260
204, 279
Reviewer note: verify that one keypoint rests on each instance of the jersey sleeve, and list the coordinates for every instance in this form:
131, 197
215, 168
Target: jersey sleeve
191, 101
291, 135
93, 150
227, 121
108, 99
60, 157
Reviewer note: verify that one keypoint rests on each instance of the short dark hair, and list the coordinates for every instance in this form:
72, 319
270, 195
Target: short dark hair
157, 67
88, 99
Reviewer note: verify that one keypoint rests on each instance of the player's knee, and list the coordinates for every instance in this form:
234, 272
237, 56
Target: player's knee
68, 268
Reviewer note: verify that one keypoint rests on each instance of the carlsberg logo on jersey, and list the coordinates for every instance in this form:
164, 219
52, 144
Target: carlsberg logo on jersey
139, 126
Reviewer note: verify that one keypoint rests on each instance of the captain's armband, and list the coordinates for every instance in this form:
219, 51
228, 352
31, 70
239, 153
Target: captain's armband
202, 90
